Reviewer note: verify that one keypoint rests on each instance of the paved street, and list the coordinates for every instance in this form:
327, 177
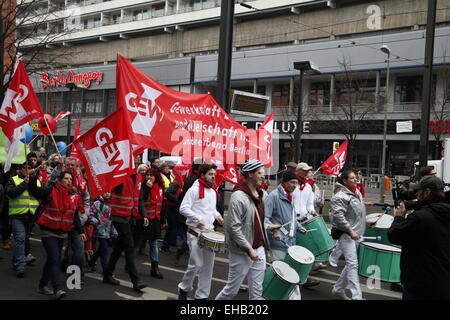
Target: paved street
164, 289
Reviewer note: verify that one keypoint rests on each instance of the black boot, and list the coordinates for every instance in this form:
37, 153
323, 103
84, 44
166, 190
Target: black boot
155, 271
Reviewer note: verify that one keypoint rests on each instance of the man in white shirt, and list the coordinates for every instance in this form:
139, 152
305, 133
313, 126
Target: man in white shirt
303, 200
199, 208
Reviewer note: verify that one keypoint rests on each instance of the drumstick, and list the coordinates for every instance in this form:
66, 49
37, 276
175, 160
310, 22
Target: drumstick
372, 238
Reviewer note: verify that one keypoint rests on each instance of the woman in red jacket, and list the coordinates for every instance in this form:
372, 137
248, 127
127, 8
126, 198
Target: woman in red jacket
150, 202
61, 203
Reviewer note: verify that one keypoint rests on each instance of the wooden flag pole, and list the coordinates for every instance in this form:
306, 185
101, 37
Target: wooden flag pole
52, 137
33, 139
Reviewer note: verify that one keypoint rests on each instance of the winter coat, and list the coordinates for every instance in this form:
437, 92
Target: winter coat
348, 210
425, 259
100, 217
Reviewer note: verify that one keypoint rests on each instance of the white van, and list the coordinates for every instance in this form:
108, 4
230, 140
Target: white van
171, 160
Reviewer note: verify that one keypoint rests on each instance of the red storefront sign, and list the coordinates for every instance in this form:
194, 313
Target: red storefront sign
60, 80
439, 127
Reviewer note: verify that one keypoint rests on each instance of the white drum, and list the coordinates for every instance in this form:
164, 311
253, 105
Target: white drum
213, 241
301, 260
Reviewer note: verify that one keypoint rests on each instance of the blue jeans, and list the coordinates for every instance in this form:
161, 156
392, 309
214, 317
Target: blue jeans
52, 267
20, 230
102, 252
154, 251
77, 246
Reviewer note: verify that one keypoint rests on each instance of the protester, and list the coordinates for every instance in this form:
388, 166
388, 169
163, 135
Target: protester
59, 216
348, 217
199, 208
123, 202
155, 162
424, 236
22, 207
104, 231
278, 210
150, 204
32, 159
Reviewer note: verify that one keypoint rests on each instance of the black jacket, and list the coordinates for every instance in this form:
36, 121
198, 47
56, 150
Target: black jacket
425, 259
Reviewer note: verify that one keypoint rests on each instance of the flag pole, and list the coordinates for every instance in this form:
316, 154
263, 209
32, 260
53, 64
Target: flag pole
29, 143
46, 123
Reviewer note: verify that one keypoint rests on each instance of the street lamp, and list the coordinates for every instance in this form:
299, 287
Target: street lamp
385, 49
302, 66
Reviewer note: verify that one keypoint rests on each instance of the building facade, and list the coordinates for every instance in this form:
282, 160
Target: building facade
176, 43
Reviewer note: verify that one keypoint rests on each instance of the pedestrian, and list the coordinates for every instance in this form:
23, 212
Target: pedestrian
59, 216
155, 162
279, 210
32, 160
199, 208
170, 235
348, 218
150, 204
424, 236
245, 234
303, 199
104, 231
123, 201
22, 207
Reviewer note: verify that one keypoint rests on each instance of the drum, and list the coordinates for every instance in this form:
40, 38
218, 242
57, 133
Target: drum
213, 241
319, 240
323, 257
381, 228
387, 258
279, 281
301, 260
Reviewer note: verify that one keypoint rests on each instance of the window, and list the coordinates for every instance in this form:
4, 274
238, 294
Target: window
408, 89
54, 103
357, 92
110, 100
319, 94
93, 101
260, 90
280, 95
75, 101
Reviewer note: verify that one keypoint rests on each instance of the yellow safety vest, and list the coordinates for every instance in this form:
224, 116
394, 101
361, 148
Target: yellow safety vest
166, 181
25, 202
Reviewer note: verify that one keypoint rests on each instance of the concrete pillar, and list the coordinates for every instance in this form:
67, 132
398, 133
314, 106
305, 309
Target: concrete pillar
332, 82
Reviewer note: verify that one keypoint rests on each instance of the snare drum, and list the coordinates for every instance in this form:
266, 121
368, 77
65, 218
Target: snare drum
384, 222
279, 281
301, 260
319, 240
213, 241
379, 259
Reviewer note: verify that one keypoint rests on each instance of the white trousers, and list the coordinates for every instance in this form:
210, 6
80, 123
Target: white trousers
349, 278
280, 255
201, 263
241, 266
336, 253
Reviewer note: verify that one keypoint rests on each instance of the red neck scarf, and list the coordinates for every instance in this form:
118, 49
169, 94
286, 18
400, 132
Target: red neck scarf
303, 182
287, 193
311, 181
202, 186
352, 189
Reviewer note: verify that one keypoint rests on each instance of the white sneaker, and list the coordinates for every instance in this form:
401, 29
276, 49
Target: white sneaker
332, 264
340, 295
30, 258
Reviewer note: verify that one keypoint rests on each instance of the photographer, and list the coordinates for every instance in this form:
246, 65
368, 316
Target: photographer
423, 235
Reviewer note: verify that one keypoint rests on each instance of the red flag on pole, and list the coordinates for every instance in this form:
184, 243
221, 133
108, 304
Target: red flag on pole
231, 173
21, 104
336, 161
107, 153
76, 135
62, 115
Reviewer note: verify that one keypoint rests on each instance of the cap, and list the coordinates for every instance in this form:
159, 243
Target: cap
292, 165
289, 175
251, 165
430, 182
303, 166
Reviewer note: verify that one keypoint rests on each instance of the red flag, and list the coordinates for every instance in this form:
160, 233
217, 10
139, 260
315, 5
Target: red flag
106, 152
266, 131
62, 115
231, 173
181, 171
336, 161
179, 123
76, 135
21, 104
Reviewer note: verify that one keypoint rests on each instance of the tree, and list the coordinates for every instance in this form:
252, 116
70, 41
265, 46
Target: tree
22, 21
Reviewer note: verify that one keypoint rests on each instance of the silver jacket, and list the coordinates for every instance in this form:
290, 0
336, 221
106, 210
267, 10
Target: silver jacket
239, 222
348, 210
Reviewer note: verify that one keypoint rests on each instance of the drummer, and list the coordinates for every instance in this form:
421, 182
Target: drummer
303, 199
278, 209
199, 208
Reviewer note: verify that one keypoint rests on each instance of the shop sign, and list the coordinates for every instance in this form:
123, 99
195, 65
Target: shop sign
437, 127
80, 79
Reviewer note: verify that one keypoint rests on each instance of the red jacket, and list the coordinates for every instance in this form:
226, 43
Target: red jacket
123, 198
59, 213
361, 189
153, 203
